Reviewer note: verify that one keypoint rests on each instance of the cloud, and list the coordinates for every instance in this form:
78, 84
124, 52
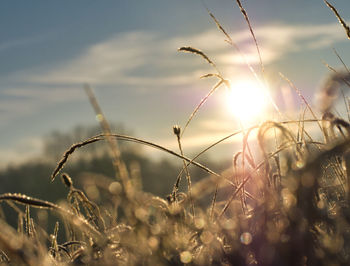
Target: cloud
146, 61
119, 60
276, 41
127, 58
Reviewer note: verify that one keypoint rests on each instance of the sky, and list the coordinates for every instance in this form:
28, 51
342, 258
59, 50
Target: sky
127, 52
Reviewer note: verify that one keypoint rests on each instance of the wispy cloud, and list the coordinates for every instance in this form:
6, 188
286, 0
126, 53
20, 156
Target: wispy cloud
127, 58
147, 61
121, 60
277, 41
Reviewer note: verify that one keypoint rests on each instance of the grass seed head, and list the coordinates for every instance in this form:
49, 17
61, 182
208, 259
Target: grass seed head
67, 180
177, 130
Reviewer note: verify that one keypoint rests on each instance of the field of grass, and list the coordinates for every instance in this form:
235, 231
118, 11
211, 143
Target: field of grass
286, 203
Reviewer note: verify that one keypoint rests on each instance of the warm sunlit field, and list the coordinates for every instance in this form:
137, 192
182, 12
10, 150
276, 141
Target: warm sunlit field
282, 200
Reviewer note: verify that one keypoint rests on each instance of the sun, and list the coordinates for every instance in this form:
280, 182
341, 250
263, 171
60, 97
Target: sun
247, 100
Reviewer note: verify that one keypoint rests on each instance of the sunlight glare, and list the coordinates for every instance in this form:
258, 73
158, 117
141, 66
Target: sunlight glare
246, 100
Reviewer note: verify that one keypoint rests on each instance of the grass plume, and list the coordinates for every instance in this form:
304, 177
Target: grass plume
245, 15
192, 50
340, 19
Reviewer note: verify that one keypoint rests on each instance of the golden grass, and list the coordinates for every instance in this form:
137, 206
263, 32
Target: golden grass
340, 19
287, 203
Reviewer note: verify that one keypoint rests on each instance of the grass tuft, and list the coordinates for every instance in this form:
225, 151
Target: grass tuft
285, 200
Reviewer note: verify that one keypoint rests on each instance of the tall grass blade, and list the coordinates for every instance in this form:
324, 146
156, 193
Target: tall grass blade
177, 132
101, 137
340, 19
118, 163
245, 14
37, 203
341, 60
217, 85
302, 98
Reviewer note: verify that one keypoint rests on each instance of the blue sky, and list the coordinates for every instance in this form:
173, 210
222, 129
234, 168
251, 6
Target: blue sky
126, 50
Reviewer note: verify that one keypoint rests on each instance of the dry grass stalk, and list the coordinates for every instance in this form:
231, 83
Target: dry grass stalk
342, 91
27, 221
192, 50
317, 144
118, 163
341, 60
244, 13
177, 132
217, 85
342, 77
302, 98
340, 19
232, 43
37, 203
67, 153
258, 167
101, 137
218, 75
91, 208
328, 93
289, 215
229, 39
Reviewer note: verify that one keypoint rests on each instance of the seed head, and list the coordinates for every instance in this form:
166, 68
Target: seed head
67, 180
177, 130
